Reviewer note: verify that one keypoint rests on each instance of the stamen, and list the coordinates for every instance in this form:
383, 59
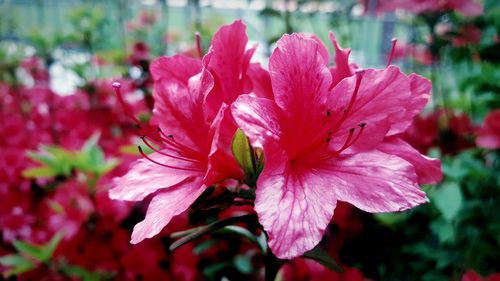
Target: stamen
359, 75
328, 113
198, 44
169, 139
163, 153
347, 141
164, 165
116, 85
391, 54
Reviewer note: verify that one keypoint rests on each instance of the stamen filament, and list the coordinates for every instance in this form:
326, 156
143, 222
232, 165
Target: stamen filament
391, 54
165, 154
165, 165
116, 85
198, 44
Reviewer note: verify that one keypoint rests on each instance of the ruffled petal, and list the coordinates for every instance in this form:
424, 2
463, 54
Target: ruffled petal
420, 88
261, 81
259, 118
373, 181
178, 68
165, 205
428, 169
381, 98
227, 61
179, 109
294, 205
299, 74
221, 163
342, 68
145, 177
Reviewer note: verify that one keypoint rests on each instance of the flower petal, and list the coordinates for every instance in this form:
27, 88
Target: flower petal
342, 68
228, 62
428, 169
373, 181
165, 205
179, 109
221, 163
294, 205
420, 93
179, 68
145, 177
258, 118
381, 98
261, 81
299, 75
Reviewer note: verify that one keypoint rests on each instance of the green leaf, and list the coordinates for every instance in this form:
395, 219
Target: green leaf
84, 274
448, 199
323, 258
17, 264
243, 264
29, 249
39, 172
259, 240
42, 253
444, 230
203, 230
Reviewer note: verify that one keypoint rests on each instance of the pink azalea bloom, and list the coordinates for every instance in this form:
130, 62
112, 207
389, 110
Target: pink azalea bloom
489, 133
192, 143
325, 142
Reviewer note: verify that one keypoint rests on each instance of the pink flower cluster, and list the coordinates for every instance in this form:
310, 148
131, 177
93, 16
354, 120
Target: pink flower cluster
326, 133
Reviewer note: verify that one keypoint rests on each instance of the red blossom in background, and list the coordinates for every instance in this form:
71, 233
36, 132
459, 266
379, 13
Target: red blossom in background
488, 135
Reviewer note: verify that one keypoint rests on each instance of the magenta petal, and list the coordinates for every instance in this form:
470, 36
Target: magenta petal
258, 118
164, 206
420, 93
261, 81
145, 178
179, 109
227, 61
300, 76
382, 97
294, 205
179, 68
221, 163
374, 181
342, 68
428, 169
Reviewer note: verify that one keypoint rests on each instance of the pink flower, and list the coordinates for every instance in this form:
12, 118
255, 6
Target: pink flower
489, 133
192, 143
325, 142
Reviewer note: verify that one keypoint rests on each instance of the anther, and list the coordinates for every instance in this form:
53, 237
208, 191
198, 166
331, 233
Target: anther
362, 125
391, 53
127, 110
328, 113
